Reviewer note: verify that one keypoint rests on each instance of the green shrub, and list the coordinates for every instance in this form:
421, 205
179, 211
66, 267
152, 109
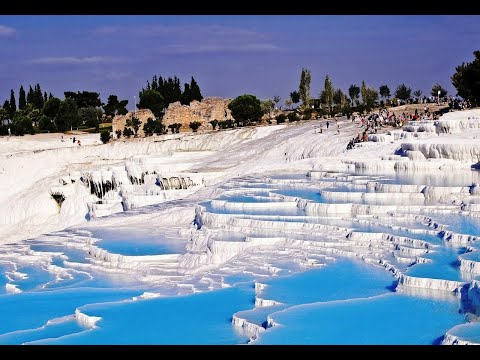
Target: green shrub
293, 117
105, 136
281, 118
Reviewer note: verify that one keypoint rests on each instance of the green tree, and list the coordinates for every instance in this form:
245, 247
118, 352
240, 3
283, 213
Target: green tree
304, 87
384, 92
294, 97
370, 99
214, 124
292, 117
281, 118
186, 97
50, 108
8, 111
13, 105
354, 93
153, 100
466, 80
105, 136
245, 108
22, 100
267, 106
363, 91
326, 96
3, 114
339, 98
436, 88
37, 97
153, 126
84, 98
194, 125
417, 94
115, 107
90, 116
288, 103
127, 132
134, 123
403, 92
67, 116
46, 124
195, 92
22, 125
30, 95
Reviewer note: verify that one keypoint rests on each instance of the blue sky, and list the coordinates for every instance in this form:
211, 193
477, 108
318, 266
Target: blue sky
231, 55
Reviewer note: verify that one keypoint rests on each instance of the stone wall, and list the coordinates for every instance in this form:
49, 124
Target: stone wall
202, 111
119, 121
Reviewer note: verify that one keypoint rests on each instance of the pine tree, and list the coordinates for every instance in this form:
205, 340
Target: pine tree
37, 97
6, 106
30, 95
304, 87
363, 91
155, 83
22, 101
187, 95
195, 93
13, 104
45, 97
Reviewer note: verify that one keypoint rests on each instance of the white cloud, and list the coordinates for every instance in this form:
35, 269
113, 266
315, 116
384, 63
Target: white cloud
7, 31
71, 60
190, 39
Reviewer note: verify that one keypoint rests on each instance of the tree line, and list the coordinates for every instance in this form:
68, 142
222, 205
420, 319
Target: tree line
38, 111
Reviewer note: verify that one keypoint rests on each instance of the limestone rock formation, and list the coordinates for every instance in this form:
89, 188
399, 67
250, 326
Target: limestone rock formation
119, 121
208, 109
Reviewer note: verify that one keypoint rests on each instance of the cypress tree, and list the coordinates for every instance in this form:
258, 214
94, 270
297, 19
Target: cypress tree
22, 101
187, 95
6, 106
13, 104
30, 95
195, 91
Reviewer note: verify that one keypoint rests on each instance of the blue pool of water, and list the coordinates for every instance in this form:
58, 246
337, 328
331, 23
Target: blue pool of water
458, 178
33, 309
459, 223
444, 264
258, 198
203, 318
342, 279
470, 331
136, 243
393, 318
308, 194
74, 255
54, 330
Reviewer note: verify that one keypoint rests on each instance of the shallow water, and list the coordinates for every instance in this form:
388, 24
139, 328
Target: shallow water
393, 318
343, 302
135, 242
203, 318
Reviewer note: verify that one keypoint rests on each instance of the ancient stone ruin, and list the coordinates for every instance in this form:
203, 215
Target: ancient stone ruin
119, 121
208, 109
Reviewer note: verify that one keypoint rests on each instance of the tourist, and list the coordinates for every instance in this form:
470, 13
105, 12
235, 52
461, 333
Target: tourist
74, 139
328, 124
9, 132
